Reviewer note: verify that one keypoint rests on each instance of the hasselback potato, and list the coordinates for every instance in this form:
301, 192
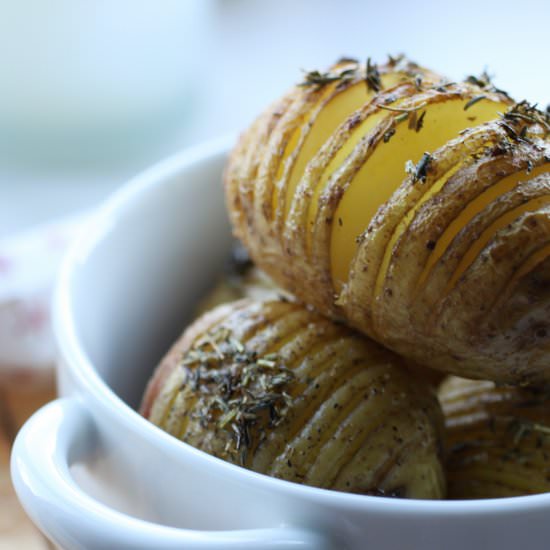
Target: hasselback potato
285, 392
498, 439
242, 279
414, 209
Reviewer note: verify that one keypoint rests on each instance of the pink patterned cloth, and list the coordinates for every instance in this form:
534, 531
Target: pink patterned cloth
29, 263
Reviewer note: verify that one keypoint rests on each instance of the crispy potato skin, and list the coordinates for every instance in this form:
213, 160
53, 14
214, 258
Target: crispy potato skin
356, 419
254, 284
251, 180
498, 442
172, 358
437, 275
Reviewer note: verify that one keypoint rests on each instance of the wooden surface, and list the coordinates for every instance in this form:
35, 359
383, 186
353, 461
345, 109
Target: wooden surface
16, 531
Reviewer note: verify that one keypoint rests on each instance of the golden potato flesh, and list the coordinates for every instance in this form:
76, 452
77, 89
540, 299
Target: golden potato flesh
421, 220
285, 392
478, 307
498, 439
336, 103
383, 172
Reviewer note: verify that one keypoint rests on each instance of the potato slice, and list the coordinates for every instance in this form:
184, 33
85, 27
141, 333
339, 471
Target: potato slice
498, 437
340, 103
285, 392
383, 172
458, 312
261, 195
443, 262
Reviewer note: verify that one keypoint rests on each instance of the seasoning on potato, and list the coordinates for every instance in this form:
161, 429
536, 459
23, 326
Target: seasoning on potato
283, 391
413, 208
498, 439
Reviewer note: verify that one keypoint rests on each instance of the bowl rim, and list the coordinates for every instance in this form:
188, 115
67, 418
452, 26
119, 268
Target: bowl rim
87, 379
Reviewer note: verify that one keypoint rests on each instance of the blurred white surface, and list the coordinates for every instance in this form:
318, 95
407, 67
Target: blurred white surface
29, 264
72, 66
249, 53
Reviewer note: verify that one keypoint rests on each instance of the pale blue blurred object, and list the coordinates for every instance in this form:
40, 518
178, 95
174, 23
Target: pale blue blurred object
232, 58
103, 75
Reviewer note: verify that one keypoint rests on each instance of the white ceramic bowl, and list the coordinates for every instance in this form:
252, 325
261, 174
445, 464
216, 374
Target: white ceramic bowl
125, 292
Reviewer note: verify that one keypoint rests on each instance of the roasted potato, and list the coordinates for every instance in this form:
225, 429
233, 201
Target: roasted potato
417, 212
242, 279
286, 392
498, 439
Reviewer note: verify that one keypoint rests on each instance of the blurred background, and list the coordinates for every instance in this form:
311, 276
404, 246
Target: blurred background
91, 93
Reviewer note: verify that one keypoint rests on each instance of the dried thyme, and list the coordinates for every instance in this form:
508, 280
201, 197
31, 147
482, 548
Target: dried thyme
393, 61
474, 100
419, 172
443, 85
523, 121
482, 81
236, 390
400, 63
401, 117
319, 79
372, 76
388, 134
529, 113
422, 167
416, 122
420, 121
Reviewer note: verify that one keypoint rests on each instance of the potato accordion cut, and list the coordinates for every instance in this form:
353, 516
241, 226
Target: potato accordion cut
244, 280
418, 212
498, 439
285, 392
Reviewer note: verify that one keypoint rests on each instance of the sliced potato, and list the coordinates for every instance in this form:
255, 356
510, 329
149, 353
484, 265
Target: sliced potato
421, 220
285, 392
462, 312
257, 183
498, 439
376, 169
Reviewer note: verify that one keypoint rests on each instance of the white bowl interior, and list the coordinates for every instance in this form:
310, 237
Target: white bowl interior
162, 243
127, 293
